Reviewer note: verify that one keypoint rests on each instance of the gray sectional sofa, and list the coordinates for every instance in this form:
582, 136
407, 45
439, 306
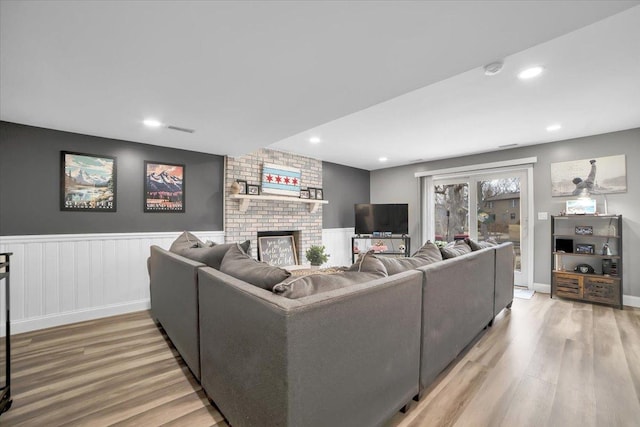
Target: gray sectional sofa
348, 357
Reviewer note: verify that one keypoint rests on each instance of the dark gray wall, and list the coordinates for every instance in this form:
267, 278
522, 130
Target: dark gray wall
396, 185
30, 185
343, 186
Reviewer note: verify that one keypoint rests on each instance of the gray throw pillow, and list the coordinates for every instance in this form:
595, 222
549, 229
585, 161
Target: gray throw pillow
238, 264
476, 246
299, 287
454, 249
189, 246
427, 254
369, 263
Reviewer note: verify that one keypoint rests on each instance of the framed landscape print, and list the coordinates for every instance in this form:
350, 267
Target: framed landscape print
87, 182
164, 187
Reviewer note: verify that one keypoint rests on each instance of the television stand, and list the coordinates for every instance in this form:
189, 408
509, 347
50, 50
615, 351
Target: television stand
395, 245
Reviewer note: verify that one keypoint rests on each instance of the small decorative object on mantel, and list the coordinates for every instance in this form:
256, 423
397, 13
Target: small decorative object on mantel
312, 193
242, 186
316, 256
282, 180
319, 193
304, 194
254, 190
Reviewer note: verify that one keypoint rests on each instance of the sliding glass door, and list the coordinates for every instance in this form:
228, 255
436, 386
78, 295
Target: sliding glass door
482, 206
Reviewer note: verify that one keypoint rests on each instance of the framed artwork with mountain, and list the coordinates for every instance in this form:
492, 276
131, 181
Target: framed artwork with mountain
87, 182
164, 189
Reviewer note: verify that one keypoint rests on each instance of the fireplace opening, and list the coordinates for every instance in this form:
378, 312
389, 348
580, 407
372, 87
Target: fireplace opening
296, 240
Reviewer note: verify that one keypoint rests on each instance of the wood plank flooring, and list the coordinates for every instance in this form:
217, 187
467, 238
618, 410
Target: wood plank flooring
547, 362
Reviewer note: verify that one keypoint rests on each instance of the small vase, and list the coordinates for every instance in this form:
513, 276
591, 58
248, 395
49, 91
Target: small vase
315, 267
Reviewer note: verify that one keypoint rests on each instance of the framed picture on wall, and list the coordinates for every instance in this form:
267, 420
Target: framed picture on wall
87, 182
312, 193
164, 187
319, 193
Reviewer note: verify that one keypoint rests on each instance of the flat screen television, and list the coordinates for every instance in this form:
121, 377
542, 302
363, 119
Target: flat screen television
382, 218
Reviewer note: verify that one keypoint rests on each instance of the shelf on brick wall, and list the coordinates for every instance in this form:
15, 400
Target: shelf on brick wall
245, 201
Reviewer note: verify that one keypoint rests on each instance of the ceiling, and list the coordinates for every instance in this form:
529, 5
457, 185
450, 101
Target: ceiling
401, 80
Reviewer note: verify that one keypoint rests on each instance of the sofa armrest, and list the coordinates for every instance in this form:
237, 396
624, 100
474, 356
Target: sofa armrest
505, 264
457, 305
344, 357
174, 302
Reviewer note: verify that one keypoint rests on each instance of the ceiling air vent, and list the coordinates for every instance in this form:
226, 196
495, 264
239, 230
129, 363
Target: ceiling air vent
507, 145
181, 129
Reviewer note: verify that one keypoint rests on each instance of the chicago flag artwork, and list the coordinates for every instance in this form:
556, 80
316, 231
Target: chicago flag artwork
281, 180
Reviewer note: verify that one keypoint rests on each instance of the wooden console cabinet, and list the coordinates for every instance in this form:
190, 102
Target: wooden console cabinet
593, 240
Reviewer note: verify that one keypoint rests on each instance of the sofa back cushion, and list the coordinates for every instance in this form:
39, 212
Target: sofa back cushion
454, 249
368, 263
476, 246
211, 254
238, 264
427, 254
304, 286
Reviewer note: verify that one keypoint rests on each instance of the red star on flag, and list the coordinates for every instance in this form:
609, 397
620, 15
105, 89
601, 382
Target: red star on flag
269, 178
295, 181
278, 179
286, 180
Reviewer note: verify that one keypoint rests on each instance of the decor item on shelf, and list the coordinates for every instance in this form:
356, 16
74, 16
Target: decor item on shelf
304, 194
87, 182
164, 189
401, 248
312, 193
581, 207
584, 230
283, 180
584, 269
319, 193
585, 248
254, 190
316, 256
606, 250
242, 186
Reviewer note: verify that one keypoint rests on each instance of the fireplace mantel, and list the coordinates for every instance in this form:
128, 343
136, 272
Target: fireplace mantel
245, 201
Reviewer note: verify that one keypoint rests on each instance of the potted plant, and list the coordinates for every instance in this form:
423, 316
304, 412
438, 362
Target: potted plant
316, 255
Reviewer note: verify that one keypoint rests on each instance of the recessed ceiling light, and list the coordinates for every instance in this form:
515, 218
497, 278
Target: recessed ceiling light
152, 123
553, 128
382, 159
530, 73
314, 140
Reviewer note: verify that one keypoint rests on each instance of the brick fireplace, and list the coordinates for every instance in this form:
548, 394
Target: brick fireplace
272, 215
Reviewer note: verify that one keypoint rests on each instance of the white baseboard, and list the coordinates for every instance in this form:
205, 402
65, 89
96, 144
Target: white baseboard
628, 300
631, 301
543, 288
49, 321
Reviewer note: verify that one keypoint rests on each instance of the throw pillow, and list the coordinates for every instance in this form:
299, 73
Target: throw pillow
427, 254
238, 264
189, 246
476, 246
454, 249
299, 287
368, 263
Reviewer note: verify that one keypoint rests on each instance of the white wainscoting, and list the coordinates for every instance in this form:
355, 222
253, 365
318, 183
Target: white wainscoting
337, 242
65, 278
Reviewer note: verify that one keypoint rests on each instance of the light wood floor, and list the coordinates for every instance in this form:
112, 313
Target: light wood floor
544, 363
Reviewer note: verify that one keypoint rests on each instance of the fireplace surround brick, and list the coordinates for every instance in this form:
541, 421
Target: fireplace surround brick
271, 215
